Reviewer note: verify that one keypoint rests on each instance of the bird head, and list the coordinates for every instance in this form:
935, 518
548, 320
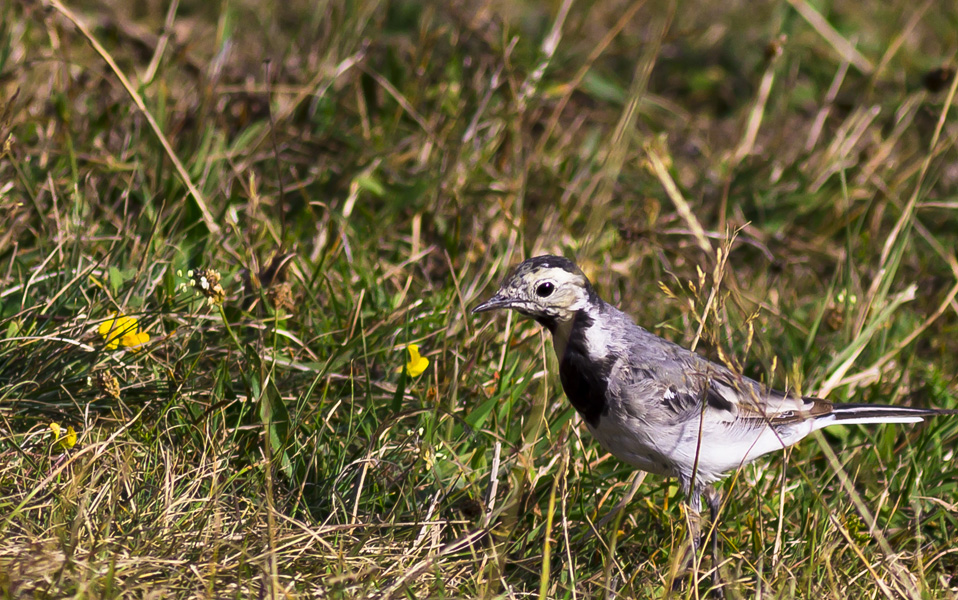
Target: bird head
550, 289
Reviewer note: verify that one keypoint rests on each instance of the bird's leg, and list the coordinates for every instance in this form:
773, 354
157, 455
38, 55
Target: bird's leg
690, 563
714, 499
695, 536
695, 529
695, 518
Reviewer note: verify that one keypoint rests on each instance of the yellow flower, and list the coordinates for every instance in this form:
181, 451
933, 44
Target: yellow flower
417, 364
67, 441
113, 330
135, 340
122, 331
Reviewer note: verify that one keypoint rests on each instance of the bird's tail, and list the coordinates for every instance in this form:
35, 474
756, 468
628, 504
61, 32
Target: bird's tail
850, 414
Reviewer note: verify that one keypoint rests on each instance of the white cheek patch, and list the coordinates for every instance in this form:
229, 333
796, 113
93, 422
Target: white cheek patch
579, 302
569, 291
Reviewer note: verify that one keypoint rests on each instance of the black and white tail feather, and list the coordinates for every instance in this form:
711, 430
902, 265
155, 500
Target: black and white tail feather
863, 414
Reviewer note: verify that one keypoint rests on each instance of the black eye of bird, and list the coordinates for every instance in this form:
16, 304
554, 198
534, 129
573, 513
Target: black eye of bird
545, 289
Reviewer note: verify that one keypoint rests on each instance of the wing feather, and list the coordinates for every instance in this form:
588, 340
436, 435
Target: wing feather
683, 384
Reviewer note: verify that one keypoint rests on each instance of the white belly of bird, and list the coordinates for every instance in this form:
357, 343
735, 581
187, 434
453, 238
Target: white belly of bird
682, 450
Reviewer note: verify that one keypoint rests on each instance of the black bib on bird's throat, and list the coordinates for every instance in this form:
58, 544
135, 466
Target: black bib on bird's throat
584, 379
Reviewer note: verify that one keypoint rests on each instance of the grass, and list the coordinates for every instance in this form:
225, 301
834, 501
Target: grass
774, 183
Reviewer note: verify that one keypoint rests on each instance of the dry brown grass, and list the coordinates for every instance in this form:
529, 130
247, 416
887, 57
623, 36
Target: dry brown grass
361, 191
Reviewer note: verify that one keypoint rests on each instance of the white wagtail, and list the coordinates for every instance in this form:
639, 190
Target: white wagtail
656, 405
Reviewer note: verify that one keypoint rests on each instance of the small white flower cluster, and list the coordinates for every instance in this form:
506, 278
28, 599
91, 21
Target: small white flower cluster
206, 282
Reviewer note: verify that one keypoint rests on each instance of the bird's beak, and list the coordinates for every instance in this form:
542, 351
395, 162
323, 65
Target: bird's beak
497, 301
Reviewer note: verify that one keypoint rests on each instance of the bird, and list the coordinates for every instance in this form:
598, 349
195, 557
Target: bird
658, 406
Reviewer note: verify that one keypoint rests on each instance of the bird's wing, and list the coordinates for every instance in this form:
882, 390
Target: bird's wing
751, 401
677, 385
